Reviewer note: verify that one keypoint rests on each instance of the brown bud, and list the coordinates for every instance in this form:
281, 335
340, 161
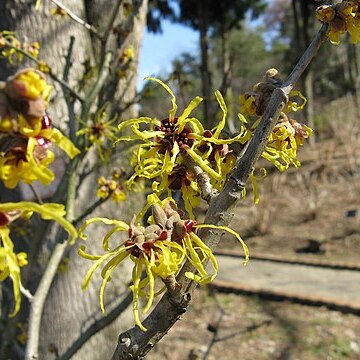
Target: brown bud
36, 108
138, 239
159, 215
152, 229
179, 229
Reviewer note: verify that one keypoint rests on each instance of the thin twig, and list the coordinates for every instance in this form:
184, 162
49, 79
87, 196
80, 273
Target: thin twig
135, 343
76, 18
89, 210
202, 178
38, 302
215, 331
111, 22
105, 37
35, 193
37, 305
94, 92
26, 293
68, 99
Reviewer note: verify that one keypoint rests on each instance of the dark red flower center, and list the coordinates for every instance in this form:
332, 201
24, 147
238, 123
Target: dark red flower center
4, 219
46, 122
172, 135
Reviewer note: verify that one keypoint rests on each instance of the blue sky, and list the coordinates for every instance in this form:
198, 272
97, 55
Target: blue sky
158, 50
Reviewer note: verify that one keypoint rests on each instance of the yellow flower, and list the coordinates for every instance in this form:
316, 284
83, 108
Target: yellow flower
26, 155
26, 161
284, 141
28, 84
127, 55
99, 132
111, 188
33, 49
58, 11
158, 249
175, 141
13, 56
325, 13
49, 211
10, 262
342, 17
247, 104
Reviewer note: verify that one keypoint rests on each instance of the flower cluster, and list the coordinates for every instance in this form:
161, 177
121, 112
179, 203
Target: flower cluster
159, 249
99, 132
175, 153
342, 18
286, 137
288, 134
112, 188
170, 146
10, 261
26, 133
125, 61
9, 45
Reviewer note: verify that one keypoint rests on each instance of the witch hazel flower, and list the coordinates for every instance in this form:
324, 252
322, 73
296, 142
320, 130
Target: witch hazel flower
26, 132
168, 145
158, 250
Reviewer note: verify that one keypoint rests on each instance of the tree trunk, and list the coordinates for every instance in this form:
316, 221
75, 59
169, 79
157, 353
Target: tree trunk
226, 86
69, 311
301, 14
204, 69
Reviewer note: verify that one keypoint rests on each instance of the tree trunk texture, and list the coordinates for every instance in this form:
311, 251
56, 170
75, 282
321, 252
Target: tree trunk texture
69, 311
204, 69
226, 81
301, 14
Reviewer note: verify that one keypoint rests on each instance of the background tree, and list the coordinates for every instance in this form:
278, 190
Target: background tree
208, 18
75, 53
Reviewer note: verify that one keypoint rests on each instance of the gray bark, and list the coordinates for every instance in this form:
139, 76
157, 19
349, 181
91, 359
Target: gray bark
69, 310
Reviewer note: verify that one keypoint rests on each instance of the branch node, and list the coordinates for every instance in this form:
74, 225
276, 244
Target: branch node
180, 302
124, 340
240, 184
173, 287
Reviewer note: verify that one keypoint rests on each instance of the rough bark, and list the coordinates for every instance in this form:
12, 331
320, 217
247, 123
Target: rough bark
68, 310
205, 71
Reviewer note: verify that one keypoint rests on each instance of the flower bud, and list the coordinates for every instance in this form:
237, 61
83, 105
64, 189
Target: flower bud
28, 84
325, 13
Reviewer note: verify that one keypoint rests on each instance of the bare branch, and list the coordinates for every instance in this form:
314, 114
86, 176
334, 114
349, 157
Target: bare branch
202, 178
26, 293
77, 18
89, 210
68, 99
111, 22
38, 302
95, 90
135, 344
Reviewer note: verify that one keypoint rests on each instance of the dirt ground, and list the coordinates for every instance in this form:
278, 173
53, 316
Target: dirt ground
253, 329
311, 213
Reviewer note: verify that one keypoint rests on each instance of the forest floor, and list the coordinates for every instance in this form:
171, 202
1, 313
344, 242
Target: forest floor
311, 213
